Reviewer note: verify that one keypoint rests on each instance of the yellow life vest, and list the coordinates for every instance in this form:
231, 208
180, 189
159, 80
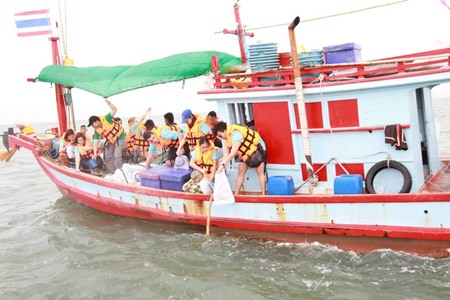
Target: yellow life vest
139, 141
27, 130
250, 143
194, 133
162, 141
205, 161
108, 131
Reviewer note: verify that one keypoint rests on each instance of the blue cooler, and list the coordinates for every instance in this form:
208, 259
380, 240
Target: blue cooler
280, 185
344, 53
151, 177
174, 179
348, 184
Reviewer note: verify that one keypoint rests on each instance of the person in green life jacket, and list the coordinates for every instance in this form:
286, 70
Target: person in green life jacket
105, 127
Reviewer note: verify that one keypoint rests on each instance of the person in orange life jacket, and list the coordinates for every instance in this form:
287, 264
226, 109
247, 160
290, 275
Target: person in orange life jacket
140, 144
131, 143
85, 153
211, 120
66, 151
248, 145
196, 128
162, 137
205, 159
105, 127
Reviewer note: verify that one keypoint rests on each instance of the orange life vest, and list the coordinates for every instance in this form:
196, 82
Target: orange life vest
108, 131
139, 141
250, 143
162, 141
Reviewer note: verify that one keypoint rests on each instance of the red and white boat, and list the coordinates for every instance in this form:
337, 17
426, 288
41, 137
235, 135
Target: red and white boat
325, 127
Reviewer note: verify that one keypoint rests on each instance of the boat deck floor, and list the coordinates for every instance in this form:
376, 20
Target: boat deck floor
440, 182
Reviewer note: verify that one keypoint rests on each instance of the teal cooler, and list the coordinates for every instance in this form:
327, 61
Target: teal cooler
348, 184
280, 185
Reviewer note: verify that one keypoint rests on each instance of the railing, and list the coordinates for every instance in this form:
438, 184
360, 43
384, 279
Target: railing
283, 78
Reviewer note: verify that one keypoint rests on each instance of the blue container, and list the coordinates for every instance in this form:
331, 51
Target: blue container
344, 53
280, 185
310, 58
174, 179
348, 184
151, 177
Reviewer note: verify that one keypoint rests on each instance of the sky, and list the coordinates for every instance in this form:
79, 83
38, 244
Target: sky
117, 32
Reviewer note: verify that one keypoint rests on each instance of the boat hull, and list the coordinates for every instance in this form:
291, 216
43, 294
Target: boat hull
355, 222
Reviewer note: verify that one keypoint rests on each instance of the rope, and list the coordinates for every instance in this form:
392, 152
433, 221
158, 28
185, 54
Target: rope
329, 16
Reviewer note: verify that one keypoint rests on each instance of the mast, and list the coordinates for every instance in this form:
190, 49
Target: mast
60, 103
240, 33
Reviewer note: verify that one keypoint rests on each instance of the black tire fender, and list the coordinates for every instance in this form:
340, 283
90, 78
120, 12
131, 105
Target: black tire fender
387, 164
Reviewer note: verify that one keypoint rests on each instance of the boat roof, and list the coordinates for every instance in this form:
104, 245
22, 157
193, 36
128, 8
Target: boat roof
112, 80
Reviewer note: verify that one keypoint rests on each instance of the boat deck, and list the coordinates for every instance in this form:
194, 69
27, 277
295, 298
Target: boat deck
440, 182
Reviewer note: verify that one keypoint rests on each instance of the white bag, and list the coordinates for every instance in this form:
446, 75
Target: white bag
222, 190
181, 162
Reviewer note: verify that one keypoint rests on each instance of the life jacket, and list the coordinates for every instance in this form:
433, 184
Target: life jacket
205, 161
108, 131
139, 141
130, 142
162, 141
250, 143
194, 134
27, 130
89, 153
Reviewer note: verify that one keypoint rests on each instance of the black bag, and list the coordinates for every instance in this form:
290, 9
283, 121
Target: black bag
257, 158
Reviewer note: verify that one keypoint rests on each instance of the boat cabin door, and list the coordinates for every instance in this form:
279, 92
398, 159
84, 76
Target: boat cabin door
427, 127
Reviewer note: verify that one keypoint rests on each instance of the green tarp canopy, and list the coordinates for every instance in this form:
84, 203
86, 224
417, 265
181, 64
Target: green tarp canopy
109, 81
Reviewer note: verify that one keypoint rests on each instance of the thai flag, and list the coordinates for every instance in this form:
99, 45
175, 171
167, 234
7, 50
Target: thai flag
32, 23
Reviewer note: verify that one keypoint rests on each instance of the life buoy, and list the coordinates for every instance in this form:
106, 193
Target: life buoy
388, 164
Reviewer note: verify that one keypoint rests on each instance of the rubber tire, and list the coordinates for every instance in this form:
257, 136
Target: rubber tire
386, 164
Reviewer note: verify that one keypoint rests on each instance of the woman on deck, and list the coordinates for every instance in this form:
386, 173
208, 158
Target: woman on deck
248, 145
205, 160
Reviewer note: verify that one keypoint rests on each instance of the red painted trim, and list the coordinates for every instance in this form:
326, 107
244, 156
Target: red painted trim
34, 33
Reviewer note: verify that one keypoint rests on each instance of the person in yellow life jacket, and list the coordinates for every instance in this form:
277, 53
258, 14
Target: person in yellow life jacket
248, 145
164, 137
84, 130
205, 159
84, 155
105, 127
195, 129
